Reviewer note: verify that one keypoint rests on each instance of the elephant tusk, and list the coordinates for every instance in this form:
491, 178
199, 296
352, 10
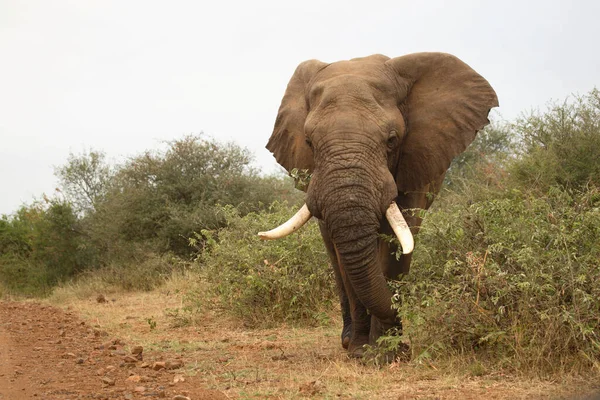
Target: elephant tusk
288, 227
400, 227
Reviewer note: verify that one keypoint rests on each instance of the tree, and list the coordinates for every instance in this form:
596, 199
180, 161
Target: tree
84, 179
485, 157
561, 146
162, 198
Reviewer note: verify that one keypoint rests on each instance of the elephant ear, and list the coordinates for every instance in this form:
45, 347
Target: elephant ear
444, 103
288, 142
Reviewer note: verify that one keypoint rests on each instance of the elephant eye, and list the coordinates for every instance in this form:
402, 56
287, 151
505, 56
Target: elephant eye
309, 142
392, 140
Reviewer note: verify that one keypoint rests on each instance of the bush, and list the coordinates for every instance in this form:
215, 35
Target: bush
513, 277
128, 219
162, 198
39, 246
490, 150
266, 282
560, 147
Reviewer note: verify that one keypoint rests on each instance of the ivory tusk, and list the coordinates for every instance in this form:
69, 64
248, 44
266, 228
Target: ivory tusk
400, 227
288, 227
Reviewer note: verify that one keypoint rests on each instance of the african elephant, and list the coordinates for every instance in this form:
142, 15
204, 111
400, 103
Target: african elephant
377, 135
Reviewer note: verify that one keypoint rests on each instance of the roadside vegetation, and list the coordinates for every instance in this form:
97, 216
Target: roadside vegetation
506, 271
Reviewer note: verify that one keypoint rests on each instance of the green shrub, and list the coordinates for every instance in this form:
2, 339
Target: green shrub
561, 146
124, 219
40, 245
510, 277
266, 282
160, 198
490, 150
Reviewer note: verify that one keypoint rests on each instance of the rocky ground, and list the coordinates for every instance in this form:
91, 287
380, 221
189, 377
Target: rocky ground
47, 353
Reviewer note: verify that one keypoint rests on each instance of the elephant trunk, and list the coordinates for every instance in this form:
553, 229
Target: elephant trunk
359, 262
352, 207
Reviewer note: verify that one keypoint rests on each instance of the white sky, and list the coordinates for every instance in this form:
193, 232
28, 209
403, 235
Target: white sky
122, 76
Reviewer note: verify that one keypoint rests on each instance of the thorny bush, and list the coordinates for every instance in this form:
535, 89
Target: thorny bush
267, 282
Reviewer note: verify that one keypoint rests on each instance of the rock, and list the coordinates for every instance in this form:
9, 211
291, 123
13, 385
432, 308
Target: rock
100, 298
157, 366
180, 397
139, 389
145, 365
68, 355
134, 378
130, 359
178, 378
137, 350
108, 381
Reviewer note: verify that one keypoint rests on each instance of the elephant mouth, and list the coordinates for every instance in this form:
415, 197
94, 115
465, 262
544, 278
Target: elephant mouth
393, 215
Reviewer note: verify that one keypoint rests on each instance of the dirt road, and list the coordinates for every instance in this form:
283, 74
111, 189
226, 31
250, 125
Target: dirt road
46, 353
91, 350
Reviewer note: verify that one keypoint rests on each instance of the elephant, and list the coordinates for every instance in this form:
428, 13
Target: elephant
377, 135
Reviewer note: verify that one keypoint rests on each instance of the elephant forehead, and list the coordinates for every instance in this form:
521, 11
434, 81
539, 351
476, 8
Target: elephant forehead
352, 90
361, 67
355, 78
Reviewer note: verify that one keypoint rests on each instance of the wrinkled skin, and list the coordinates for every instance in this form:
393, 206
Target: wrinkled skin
371, 131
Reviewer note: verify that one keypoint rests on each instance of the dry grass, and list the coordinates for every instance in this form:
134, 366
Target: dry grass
288, 363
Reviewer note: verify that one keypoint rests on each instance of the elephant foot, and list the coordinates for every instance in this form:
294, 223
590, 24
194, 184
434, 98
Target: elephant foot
381, 353
357, 352
356, 346
345, 342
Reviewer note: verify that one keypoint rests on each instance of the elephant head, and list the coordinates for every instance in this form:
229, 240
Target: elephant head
371, 130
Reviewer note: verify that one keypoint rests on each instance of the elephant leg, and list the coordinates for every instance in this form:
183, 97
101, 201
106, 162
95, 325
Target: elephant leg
344, 301
361, 320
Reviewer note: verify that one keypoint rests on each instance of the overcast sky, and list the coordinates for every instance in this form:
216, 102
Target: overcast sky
123, 76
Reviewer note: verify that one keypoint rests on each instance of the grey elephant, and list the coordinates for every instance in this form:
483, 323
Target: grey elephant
378, 135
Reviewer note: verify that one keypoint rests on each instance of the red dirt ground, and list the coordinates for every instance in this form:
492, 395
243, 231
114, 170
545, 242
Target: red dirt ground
46, 353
